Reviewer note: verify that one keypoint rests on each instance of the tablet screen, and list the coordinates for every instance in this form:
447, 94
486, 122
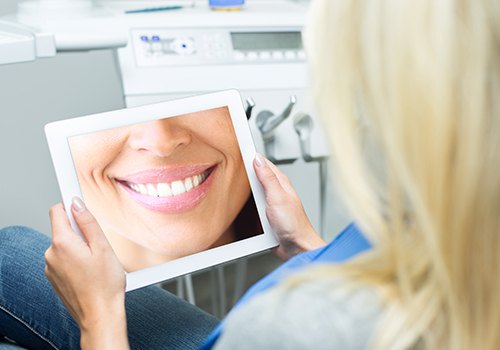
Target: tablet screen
167, 188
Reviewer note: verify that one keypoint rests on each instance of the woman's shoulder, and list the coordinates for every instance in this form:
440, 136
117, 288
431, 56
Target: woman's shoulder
318, 314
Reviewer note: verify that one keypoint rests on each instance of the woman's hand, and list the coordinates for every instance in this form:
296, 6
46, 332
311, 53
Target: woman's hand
88, 277
285, 211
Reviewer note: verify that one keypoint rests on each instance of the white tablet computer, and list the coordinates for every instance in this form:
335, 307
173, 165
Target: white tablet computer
171, 184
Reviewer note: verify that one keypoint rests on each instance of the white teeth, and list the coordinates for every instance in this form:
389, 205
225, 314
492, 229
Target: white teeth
196, 180
177, 188
188, 184
164, 189
143, 189
152, 190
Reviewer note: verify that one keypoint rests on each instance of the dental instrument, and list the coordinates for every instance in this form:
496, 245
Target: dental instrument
155, 9
267, 122
304, 124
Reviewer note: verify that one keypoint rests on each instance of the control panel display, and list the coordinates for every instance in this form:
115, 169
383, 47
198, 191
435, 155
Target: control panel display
174, 47
259, 41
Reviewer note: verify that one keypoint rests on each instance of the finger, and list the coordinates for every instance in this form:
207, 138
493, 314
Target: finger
267, 177
60, 223
87, 224
48, 259
282, 178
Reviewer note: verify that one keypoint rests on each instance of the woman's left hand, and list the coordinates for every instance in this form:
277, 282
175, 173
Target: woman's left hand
285, 212
88, 277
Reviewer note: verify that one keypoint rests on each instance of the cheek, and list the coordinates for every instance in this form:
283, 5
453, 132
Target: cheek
92, 156
235, 167
236, 170
224, 140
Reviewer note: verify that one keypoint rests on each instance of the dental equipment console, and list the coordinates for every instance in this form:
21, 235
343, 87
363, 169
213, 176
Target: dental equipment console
19, 43
259, 51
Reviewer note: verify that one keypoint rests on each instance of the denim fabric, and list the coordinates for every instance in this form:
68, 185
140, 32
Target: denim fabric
6, 345
32, 315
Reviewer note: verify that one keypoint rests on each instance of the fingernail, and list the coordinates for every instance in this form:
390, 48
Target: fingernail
78, 204
259, 160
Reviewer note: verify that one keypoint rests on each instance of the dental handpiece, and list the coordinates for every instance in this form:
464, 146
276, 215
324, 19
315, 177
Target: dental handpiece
267, 121
303, 124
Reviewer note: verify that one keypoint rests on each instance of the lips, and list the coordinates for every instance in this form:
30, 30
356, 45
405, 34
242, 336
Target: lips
172, 190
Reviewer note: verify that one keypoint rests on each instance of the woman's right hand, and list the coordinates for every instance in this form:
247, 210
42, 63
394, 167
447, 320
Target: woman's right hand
88, 278
285, 211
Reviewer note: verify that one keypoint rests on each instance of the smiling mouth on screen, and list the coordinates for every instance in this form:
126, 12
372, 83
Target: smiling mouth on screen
169, 190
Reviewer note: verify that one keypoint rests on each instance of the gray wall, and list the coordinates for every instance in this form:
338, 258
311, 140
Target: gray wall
31, 95
7, 6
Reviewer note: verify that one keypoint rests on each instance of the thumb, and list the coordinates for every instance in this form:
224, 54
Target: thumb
87, 224
268, 179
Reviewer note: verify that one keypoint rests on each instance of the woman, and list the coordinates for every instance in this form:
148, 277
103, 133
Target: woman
417, 84
167, 188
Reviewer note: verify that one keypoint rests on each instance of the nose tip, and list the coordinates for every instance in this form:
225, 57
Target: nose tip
160, 137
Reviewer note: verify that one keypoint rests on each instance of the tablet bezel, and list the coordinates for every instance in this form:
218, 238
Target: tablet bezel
57, 134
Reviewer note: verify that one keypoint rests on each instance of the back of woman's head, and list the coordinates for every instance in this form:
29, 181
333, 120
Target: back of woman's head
410, 95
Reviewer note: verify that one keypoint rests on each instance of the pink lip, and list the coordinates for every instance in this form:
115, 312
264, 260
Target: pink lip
173, 204
166, 175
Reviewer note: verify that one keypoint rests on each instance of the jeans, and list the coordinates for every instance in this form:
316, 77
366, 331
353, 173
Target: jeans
32, 315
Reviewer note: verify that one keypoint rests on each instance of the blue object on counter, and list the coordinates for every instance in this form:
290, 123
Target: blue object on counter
226, 4
155, 9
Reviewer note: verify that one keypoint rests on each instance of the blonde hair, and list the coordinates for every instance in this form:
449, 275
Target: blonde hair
420, 80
